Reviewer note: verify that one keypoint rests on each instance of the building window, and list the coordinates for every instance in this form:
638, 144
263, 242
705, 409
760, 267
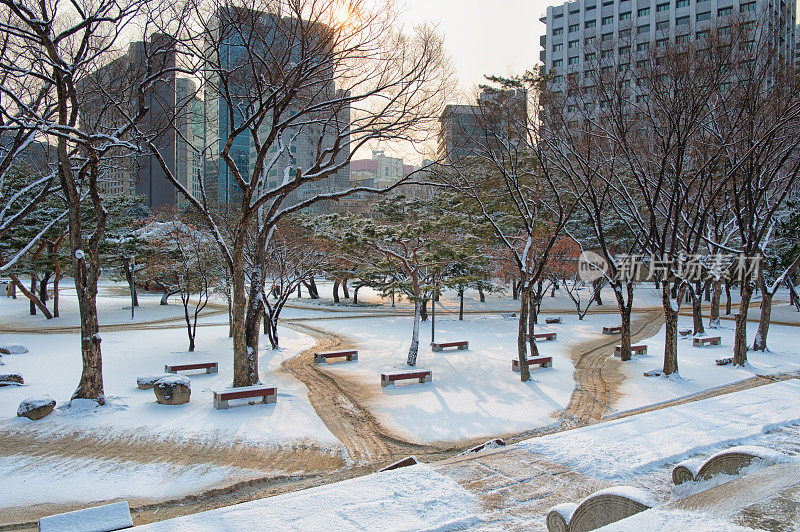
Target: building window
680, 21
589, 40
558, 31
606, 54
590, 8
558, 79
590, 24
662, 25
662, 7
704, 16
750, 6
558, 15
681, 39
589, 57
643, 12
574, 11
574, 27
557, 47
607, 37
572, 60
701, 35
625, 16
625, 34
681, 3
644, 28
608, 20
661, 43
624, 50
609, 3
572, 44
558, 62
642, 46
721, 12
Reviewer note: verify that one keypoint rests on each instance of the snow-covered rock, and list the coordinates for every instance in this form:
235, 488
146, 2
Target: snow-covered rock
14, 349
11, 379
172, 390
36, 407
146, 382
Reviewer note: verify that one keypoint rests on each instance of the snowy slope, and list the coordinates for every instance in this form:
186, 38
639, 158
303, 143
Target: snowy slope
411, 498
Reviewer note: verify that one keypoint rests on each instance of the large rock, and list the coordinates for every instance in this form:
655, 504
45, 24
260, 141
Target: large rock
11, 379
36, 407
13, 349
148, 381
172, 390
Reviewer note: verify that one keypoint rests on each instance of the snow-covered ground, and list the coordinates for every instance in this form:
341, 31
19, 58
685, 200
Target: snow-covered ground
474, 392
697, 365
53, 367
635, 445
411, 498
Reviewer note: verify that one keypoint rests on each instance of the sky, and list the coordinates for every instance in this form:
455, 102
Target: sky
484, 36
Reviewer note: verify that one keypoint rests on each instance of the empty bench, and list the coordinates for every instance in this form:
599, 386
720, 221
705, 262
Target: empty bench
612, 330
710, 340
553, 320
210, 367
391, 378
439, 346
542, 362
635, 349
320, 358
508, 315
545, 336
269, 394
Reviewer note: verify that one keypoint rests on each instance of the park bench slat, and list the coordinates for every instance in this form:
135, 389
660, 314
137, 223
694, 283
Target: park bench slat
612, 330
323, 356
542, 362
545, 336
635, 349
268, 393
438, 346
711, 340
421, 375
210, 367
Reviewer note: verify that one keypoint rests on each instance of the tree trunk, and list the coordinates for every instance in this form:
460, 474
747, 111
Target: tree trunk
355, 294
625, 318
313, 291
424, 310
671, 308
597, 287
707, 291
481, 295
760, 342
460, 304
336, 290
728, 297
56, 280
345, 289
244, 364
43, 287
532, 320
126, 266
522, 333
740, 333
252, 322
32, 297
414, 347
34, 279
716, 293
515, 288
697, 311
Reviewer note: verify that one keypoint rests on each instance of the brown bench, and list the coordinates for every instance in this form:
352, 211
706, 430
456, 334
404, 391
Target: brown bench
724, 361
711, 340
612, 330
545, 336
269, 394
635, 349
552, 320
438, 346
422, 375
542, 362
320, 358
210, 367
405, 462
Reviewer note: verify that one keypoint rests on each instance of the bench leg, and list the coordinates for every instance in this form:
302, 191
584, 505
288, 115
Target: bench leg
427, 378
221, 404
464, 347
174, 372
215, 369
271, 398
385, 382
318, 359
436, 349
548, 364
515, 367
353, 357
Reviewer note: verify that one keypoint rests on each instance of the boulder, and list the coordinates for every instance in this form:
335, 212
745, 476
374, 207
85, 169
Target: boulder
11, 379
36, 407
148, 381
14, 349
172, 390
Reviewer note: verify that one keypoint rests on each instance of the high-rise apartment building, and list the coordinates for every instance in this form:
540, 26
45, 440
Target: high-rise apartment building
575, 30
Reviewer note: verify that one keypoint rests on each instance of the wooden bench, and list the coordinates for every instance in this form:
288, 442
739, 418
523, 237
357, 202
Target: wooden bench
612, 330
724, 361
439, 346
545, 336
423, 375
684, 332
552, 320
508, 315
320, 358
542, 362
405, 462
710, 340
269, 394
114, 516
635, 349
210, 367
